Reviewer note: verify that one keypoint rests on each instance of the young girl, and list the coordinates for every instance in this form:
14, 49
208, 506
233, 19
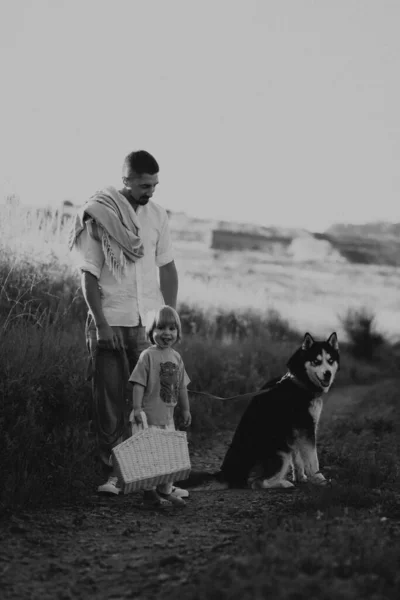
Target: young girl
159, 383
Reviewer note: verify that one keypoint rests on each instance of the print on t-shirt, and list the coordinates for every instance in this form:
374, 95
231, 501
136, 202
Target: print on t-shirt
169, 382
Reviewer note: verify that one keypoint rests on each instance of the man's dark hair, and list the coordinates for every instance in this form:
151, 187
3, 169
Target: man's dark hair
140, 162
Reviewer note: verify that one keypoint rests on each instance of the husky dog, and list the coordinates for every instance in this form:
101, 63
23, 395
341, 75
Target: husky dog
277, 432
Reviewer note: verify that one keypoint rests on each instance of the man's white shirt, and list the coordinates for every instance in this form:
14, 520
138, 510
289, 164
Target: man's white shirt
129, 302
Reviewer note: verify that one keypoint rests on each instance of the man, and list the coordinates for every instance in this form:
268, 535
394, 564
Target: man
121, 238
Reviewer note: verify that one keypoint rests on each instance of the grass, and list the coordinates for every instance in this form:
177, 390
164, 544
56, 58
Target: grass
44, 410
336, 542
312, 557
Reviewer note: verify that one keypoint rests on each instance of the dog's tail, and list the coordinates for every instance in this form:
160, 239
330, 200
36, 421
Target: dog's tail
203, 480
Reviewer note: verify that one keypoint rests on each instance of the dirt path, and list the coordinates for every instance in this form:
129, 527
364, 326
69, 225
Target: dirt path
110, 548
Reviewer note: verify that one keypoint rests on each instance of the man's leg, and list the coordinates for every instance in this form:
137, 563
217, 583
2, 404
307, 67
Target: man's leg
109, 403
135, 342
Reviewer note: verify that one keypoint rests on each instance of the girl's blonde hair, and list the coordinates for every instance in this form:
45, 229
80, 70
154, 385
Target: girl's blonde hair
165, 315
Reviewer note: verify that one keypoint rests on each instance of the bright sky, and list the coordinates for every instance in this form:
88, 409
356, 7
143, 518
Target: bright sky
277, 112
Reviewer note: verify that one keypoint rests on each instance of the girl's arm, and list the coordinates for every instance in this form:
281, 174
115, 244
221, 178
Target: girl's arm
185, 406
137, 401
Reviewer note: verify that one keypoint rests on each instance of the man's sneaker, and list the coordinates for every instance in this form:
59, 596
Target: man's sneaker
179, 493
110, 487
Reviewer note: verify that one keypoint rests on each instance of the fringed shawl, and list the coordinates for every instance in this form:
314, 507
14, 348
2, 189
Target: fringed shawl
118, 231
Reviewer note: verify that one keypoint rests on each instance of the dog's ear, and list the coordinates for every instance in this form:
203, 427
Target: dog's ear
307, 342
333, 341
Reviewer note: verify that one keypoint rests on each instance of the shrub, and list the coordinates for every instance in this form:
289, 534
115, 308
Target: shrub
43, 411
232, 325
359, 325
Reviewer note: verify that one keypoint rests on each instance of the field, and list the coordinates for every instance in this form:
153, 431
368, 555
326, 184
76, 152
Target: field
243, 315
310, 296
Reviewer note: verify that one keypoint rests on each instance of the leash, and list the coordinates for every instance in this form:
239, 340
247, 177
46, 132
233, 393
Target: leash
230, 398
250, 395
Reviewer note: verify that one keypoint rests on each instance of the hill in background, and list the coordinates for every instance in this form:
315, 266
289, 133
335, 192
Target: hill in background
370, 243
377, 230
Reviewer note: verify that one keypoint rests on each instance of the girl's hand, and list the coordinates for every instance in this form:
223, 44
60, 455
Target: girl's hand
186, 418
137, 416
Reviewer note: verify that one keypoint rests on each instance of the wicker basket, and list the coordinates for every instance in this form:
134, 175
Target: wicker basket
151, 456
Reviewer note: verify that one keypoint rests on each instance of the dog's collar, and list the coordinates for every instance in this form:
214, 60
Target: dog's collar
311, 389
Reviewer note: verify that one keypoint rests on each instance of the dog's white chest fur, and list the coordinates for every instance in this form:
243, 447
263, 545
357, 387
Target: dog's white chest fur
316, 409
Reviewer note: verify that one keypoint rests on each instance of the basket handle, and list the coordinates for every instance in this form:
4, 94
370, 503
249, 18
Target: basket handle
135, 426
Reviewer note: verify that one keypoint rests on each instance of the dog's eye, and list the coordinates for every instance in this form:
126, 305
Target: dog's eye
316, 362
330, 361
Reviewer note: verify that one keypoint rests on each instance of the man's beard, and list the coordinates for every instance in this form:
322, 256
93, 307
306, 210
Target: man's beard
142, 201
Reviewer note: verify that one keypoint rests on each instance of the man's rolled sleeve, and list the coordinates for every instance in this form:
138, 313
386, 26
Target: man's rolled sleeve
164, 252
90, 254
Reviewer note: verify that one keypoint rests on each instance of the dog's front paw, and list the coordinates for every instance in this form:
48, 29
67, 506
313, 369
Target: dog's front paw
301, 478
318, 479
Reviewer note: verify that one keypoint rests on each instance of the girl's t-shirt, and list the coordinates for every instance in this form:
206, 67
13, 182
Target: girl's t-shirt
162, 373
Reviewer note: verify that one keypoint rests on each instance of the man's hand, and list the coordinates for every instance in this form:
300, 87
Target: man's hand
186, 418
108, 338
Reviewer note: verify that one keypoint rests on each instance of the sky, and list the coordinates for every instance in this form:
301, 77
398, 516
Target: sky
275, 112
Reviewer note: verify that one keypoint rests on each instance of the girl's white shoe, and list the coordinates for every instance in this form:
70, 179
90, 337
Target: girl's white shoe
179, 492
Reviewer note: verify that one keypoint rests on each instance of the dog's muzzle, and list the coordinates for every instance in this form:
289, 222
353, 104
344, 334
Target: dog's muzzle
325, 381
